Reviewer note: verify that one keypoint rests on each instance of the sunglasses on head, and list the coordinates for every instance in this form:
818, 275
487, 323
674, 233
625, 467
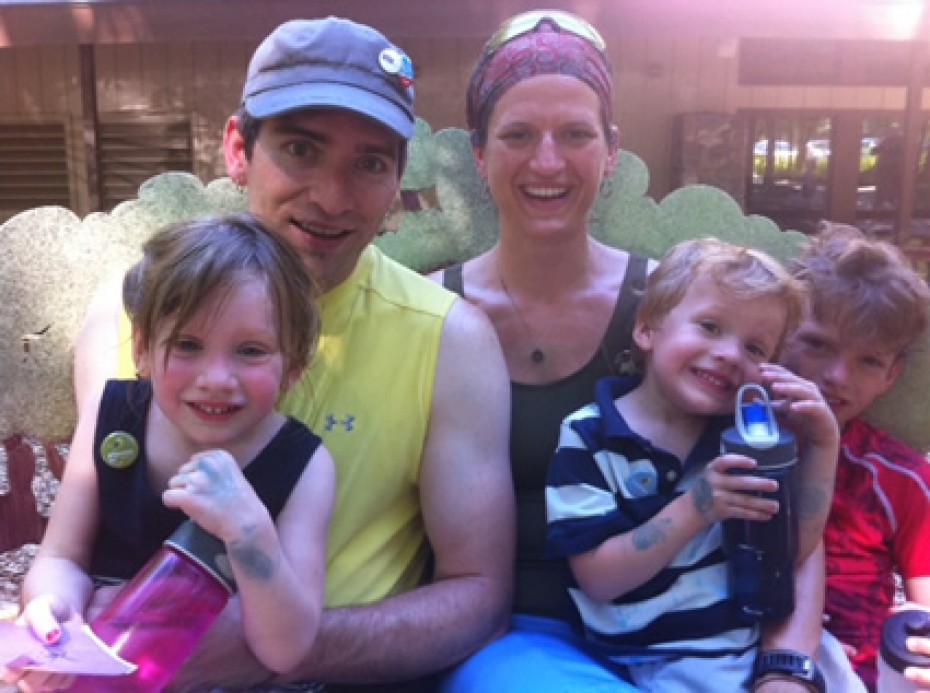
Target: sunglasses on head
528, 22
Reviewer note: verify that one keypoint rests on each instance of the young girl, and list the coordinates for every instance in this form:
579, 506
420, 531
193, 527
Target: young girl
223, 323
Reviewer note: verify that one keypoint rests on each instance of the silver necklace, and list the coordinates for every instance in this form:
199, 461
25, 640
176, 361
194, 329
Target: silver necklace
537, 355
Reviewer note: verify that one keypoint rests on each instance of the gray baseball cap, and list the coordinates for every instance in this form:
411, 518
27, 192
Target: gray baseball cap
331, 63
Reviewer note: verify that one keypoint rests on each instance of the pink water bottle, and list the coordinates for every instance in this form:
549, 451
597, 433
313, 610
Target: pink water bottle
159, 617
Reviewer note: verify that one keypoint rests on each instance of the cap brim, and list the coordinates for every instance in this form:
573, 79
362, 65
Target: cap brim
325, 95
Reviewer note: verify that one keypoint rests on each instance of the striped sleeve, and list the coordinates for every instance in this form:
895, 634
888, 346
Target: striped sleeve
583, 487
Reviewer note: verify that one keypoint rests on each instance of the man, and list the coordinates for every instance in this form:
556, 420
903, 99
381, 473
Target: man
408, 389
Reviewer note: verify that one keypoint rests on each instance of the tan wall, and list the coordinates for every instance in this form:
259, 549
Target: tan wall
656, 79
200, 81
39, 84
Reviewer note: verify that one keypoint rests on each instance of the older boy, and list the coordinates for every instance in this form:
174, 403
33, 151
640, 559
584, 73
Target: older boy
867, 308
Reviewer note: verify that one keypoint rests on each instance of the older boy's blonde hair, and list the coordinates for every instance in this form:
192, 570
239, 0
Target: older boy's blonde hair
867, 288
739, 272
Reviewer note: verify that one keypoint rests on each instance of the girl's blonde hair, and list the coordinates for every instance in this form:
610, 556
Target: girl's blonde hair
188, 263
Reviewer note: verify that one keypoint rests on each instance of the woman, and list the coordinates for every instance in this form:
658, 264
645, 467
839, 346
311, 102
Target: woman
562, 302
539, 107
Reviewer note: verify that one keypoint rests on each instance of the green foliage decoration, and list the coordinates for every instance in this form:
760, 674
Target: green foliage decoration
465, 224
53, 262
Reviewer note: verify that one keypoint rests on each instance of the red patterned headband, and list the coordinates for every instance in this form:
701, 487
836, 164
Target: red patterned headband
545, 51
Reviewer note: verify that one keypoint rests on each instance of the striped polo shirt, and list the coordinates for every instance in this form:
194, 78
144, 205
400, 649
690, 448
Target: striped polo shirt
605, 480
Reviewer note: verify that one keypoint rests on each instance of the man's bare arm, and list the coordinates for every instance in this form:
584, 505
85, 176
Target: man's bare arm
96, 350
468, 507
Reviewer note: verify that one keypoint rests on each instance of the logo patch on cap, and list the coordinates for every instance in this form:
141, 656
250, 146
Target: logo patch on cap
395, 62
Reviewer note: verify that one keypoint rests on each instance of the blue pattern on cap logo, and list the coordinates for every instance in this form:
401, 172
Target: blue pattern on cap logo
395, 62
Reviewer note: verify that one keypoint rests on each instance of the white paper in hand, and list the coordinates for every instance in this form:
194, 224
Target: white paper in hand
78, 651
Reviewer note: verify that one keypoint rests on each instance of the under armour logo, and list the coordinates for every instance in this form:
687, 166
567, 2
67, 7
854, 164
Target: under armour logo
348, 423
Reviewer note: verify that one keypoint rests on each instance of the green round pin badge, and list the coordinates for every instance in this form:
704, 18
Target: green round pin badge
119, 450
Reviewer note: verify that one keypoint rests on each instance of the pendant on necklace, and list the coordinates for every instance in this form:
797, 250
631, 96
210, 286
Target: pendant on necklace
537, 356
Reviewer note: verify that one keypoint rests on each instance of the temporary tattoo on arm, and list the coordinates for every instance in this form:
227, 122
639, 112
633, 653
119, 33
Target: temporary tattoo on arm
811, 502
648, 535
703, 496
254, 562
220, 484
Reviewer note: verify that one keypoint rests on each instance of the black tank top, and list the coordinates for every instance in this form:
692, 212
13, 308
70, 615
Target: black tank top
133, 520
537, 413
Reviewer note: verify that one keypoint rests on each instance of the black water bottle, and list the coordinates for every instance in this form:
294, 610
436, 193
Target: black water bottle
762, 555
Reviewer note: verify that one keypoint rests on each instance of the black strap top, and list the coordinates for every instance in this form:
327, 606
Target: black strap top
133, 520
537, 413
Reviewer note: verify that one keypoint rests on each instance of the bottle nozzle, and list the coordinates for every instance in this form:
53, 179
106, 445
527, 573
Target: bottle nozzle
755, 420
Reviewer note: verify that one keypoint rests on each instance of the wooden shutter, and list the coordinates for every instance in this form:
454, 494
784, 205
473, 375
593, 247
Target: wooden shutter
33, 167
131, 152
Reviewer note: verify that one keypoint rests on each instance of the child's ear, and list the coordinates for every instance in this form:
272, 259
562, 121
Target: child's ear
140, 355
891, 377
290, 379
642, 336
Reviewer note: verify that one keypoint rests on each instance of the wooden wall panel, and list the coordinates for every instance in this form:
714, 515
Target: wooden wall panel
658, 102
657, 78
443, 68
40, 84
28, 96
813, 97
131, 93
36, 81
201, 82
683, 69
171, 71
105, 58
633, 109
128, 21
9, 86
718, 74
216, 83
